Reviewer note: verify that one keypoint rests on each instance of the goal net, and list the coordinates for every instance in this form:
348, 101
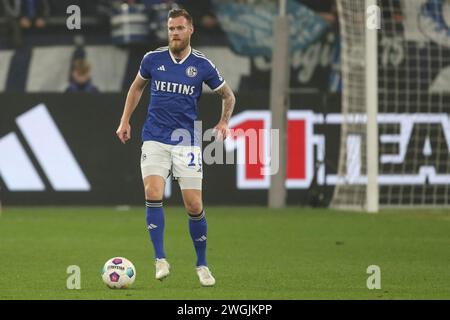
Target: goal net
413, 92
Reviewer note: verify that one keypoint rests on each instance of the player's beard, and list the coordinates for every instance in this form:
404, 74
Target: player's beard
178, 46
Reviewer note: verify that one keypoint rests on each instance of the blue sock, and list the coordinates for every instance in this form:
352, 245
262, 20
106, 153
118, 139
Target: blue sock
197, 229
155, 226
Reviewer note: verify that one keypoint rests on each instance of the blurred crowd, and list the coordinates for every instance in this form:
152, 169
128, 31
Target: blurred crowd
122, 22
19, 17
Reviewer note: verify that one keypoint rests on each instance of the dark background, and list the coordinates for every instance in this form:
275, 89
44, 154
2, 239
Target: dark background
88, 124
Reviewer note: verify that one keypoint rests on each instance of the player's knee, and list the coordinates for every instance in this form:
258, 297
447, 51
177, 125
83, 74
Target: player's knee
194, 207
153, 193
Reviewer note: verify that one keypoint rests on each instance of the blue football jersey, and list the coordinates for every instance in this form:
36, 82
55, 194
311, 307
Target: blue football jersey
175, 88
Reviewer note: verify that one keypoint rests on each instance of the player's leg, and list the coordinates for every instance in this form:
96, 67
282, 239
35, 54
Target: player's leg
155, 166
198, 227
192, 199
187, 168
154, 191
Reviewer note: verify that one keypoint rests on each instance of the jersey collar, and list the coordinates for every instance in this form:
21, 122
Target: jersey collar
184, 59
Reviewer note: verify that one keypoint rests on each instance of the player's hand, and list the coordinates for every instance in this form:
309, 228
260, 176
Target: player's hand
222, 130
124, 132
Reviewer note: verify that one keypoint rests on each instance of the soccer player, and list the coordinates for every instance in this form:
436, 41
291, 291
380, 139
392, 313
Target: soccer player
176, 74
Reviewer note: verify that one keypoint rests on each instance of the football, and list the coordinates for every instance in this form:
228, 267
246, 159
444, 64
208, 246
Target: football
118, 273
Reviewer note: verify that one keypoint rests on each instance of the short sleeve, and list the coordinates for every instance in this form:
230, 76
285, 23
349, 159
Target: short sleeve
144, 69
213, 78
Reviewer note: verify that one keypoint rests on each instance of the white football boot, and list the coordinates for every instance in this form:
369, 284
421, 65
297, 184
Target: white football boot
205, 276
162, 269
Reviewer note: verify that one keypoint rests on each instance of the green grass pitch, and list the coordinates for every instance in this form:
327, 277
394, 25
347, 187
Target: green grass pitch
254, 253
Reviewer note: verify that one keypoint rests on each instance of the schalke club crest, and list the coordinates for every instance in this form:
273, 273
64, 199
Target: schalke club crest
191, 71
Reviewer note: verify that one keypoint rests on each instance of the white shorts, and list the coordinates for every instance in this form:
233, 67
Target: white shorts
184, 162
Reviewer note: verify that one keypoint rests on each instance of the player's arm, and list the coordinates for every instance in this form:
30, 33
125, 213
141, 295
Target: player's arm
133, 97
228, 101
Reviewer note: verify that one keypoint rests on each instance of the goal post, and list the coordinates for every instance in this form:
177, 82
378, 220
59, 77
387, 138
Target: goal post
371, 32
355, 178
395, 135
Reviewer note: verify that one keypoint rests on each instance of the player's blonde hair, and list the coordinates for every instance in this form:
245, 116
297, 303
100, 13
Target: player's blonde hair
175, 13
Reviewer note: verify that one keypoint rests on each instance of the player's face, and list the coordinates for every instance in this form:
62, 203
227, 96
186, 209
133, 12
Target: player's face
180, 31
